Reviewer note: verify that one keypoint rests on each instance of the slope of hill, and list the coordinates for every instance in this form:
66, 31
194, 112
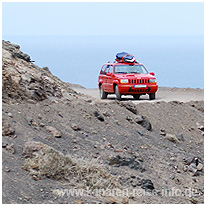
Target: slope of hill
56, 141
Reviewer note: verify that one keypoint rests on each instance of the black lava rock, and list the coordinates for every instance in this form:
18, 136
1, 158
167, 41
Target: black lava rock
98, 116
147, 184
124, 161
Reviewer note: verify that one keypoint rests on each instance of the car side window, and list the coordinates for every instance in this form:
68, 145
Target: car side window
102, 70
110, 69
106, 70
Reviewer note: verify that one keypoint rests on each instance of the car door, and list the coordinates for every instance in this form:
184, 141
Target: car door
109, 79
105, 78
102, 76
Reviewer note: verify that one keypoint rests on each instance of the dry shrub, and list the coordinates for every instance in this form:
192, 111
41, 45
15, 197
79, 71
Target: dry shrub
80, 173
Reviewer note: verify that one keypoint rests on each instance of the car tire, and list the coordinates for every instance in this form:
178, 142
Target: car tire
118, 95
103, 94
136, 96
152, 96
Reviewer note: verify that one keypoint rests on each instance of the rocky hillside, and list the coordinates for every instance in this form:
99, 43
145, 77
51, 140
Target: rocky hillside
55, 141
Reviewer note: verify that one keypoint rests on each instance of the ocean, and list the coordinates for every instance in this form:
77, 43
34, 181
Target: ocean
177, 61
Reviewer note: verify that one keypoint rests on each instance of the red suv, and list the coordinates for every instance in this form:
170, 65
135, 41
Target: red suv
126, 78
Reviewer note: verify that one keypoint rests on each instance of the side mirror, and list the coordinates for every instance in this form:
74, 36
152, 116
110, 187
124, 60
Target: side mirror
152, 73
109, 74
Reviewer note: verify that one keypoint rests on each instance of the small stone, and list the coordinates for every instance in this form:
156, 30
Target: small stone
89, 100
53, 131
172, 176
118, 150
4, 145
172, 159
31, 101
163, 133
41, 124
26, 197
200, 127
145, 123
129, 118
98, 116
7, 169
114, 160
75, 127
74, 141
106, 114
112, 200
34, 177
147, 184
39, 116
29, 120
171, 137
194, 179
10, 115
185, 168
192, 168
10, 148
125, 200
79, 202
102, 147
194, 201
110, 145
140, 133
177, 181
138, 119
180, 137
199, 167
34, 124
192, 159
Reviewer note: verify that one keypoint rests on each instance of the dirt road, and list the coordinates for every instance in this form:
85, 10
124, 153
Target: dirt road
163, 94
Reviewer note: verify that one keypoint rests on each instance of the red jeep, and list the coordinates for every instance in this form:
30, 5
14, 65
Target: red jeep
126, 78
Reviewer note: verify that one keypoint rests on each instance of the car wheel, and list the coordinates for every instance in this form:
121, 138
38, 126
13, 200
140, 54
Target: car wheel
118, 95
103, 94
152, 96
136, 96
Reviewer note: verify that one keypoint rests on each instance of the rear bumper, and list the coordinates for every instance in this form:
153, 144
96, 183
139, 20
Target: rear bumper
130, 89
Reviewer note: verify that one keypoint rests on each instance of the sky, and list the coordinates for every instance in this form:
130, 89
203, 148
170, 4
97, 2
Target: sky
71, 18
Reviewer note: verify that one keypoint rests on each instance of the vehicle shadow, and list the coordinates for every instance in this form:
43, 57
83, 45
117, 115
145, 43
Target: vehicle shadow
130, 98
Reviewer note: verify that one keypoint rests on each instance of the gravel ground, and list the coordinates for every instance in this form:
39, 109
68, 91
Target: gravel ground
56, 138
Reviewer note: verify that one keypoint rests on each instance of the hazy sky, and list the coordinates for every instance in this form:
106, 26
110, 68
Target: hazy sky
102, 18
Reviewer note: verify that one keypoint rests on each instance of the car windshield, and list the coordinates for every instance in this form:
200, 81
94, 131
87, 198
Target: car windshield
130, 69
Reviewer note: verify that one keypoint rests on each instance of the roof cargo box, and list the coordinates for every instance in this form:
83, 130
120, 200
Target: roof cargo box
125, 57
